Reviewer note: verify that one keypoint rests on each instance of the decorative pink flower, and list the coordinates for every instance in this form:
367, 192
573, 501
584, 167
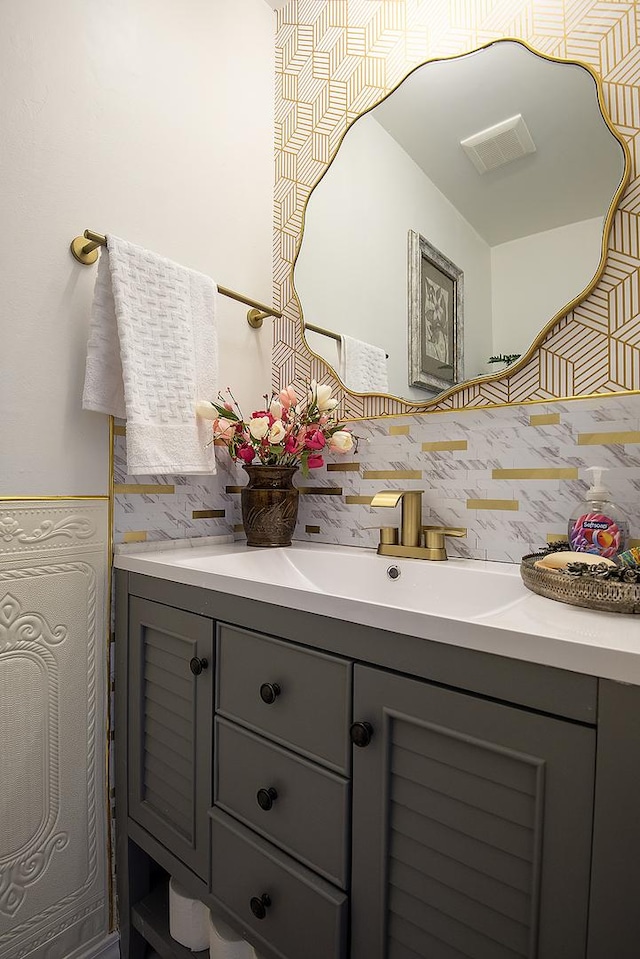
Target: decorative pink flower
288, 397
260, 414
315, 462
246, 453
223, 429
315, 439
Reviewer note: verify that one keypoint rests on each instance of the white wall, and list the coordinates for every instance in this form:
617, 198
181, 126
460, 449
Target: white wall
351, 275
529, 288
151, 119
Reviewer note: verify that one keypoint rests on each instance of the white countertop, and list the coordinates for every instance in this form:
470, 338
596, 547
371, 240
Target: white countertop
468, 603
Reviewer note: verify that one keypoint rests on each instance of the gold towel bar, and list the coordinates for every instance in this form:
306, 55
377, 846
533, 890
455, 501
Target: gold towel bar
87, 253
329, 333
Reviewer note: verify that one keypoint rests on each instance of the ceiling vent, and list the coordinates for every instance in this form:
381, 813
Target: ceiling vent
499, 144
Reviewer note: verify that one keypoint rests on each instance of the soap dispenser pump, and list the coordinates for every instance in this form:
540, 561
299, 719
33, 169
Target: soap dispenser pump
597, 525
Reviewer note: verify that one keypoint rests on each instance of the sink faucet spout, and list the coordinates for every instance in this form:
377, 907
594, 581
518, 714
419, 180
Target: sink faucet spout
411, 522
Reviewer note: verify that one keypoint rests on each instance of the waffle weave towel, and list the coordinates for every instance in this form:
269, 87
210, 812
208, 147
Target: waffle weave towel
152, 353
362, 367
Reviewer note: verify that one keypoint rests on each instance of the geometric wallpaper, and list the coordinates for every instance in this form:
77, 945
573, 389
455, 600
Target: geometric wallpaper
337, 58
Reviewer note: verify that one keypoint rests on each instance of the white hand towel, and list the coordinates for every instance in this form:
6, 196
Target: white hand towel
362, 367
152, 353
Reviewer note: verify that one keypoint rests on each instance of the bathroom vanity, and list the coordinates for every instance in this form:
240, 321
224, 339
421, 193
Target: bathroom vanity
342, 771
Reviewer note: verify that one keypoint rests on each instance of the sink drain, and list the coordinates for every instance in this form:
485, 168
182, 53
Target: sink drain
393, 572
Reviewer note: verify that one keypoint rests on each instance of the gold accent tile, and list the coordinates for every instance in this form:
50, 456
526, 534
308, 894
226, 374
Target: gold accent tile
634, 544
393, 474
556, 537
233, 489
444, 445
399, 430
119, 430
135, 536
149, 488
320, 490
238, 528
506, 504
207, 513
545, 473
544, 419
312, 529
358, 500
606, 439
343, 467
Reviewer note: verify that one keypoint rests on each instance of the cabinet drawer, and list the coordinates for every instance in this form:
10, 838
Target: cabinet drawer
308, 806
311, 694
305, 916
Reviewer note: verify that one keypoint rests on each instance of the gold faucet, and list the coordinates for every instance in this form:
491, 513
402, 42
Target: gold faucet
416, 541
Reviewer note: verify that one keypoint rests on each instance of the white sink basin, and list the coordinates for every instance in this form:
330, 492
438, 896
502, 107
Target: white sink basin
468, 603
455, 589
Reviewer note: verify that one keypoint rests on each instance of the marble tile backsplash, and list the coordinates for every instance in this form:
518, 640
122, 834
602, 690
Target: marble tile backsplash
510, 476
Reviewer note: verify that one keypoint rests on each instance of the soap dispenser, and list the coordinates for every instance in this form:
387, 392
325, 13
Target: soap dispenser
597, 525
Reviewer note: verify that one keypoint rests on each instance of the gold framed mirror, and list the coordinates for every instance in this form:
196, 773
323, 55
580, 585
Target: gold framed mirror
575, 222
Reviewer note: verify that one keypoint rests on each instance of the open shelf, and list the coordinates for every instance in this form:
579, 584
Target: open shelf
150, 917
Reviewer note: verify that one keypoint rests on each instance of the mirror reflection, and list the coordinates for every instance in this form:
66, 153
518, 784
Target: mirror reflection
459, 216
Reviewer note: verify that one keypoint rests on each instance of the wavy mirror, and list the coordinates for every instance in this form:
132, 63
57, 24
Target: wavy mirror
459, 217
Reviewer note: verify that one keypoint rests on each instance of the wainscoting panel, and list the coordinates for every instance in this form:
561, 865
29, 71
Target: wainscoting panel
53, 849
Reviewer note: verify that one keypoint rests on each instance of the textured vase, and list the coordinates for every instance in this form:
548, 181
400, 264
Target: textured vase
269, 505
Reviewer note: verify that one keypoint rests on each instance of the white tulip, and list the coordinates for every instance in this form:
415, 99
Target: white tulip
277, 432
320, 394
276, 410
206, 410
341, 441
259, 427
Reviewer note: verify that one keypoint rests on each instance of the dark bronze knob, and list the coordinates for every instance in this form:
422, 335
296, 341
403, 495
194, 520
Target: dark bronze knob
361, 734
197, 665
266, 798
269, 692
260, 905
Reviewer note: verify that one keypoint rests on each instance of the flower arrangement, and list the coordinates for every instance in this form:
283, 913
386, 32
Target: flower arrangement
287, 432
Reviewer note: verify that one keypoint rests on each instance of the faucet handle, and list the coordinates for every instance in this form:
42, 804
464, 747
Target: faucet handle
389, 535
434, 539
434, 535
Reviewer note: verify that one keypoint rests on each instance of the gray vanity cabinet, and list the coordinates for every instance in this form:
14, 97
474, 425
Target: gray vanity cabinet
343, 793
471, 826
169, 734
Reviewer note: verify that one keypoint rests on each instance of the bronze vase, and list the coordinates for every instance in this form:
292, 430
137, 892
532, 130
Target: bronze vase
269, 505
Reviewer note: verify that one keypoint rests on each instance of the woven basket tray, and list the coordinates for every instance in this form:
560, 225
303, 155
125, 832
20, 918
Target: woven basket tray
606, 595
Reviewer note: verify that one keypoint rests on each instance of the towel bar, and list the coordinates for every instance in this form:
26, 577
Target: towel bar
87, 253
329, 333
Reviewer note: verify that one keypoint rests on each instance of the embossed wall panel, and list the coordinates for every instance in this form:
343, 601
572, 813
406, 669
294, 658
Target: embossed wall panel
53, 862
336, 59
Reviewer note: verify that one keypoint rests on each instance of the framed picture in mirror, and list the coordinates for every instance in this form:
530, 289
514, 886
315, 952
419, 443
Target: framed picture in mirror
436, 317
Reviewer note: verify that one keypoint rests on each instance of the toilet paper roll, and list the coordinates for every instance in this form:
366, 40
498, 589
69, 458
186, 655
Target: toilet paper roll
188, 919
226, 943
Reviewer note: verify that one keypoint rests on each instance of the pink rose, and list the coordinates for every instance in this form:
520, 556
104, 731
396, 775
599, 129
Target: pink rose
315, 462
246, 453
315, 440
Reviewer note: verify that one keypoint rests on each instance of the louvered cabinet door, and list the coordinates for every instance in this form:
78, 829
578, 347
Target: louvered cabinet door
471, 827
170, 727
